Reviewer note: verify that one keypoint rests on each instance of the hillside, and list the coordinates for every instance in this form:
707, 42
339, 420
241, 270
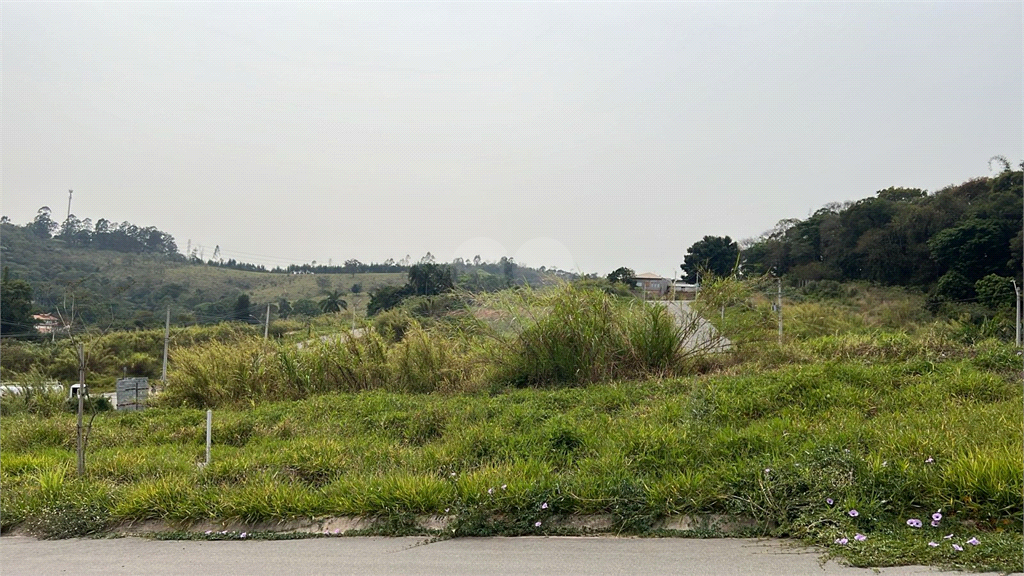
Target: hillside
116, 280
117, 289
959, 242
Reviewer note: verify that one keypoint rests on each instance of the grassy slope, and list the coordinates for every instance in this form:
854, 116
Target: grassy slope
50, 265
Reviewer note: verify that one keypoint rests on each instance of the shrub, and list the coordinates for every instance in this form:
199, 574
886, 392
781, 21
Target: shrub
588, 336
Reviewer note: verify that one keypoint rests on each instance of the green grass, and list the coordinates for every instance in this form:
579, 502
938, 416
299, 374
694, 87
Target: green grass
895, 424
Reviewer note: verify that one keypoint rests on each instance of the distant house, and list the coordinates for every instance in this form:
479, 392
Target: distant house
46, 323
655, 286
652, 284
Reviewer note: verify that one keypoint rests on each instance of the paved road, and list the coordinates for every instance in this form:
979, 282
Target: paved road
706, 337
412, 556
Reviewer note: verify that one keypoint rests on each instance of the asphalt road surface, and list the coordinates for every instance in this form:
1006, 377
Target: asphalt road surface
705, 337
415, 557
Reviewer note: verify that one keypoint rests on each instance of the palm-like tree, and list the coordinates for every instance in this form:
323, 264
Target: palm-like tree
333, 302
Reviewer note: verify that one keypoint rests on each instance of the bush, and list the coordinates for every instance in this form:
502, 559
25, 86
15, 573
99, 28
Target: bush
392, 324
589, 336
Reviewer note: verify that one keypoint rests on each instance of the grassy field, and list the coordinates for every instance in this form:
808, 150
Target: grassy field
502, 430
266, 287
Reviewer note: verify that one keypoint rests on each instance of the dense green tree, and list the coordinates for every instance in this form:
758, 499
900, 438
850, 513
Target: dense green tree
387, 297
975, 248
284, 308
718, 255
305, 307
508, 270
995, 291
428, 279
954, 286
43, 226
242, 310
15, 306
621, 275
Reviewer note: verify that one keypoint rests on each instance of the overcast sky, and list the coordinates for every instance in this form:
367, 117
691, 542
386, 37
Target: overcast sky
580, 135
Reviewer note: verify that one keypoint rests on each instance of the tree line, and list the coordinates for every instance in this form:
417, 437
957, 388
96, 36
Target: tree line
960, 243
103, 235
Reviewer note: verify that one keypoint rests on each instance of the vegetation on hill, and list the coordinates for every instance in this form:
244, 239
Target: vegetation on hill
947, 242
112, 276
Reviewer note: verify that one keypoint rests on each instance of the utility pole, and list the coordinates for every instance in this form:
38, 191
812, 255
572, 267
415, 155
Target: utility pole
81, 410
69, 205
779, 306
266, 326
167, 339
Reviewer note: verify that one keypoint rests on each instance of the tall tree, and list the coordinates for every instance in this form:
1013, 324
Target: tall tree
430, 279
621, 275
715, 254
43, 226
15, 306
242, 311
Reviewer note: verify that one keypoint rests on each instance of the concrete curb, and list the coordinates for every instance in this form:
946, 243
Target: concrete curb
339, 525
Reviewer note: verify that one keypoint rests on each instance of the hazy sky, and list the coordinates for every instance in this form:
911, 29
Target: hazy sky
582, 135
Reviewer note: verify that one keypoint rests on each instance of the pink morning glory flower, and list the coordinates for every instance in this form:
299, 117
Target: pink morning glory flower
914, 523
544, 506
208, 532
490, 490
842, 541
243, 534
937, 516
537, 524
947, 536
974, 541
860, 537
929, 460
933, 544
935, 523
853, 513
829, 501
958, 548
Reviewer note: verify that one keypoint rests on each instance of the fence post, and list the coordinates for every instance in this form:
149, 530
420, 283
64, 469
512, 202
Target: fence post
209, 425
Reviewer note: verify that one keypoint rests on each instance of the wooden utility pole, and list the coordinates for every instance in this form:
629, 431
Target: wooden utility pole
266, 325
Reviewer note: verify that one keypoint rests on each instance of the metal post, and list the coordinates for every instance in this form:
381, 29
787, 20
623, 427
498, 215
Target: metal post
1016, 291
209, 425
779, 305
266, 325
167, 339
81, 410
